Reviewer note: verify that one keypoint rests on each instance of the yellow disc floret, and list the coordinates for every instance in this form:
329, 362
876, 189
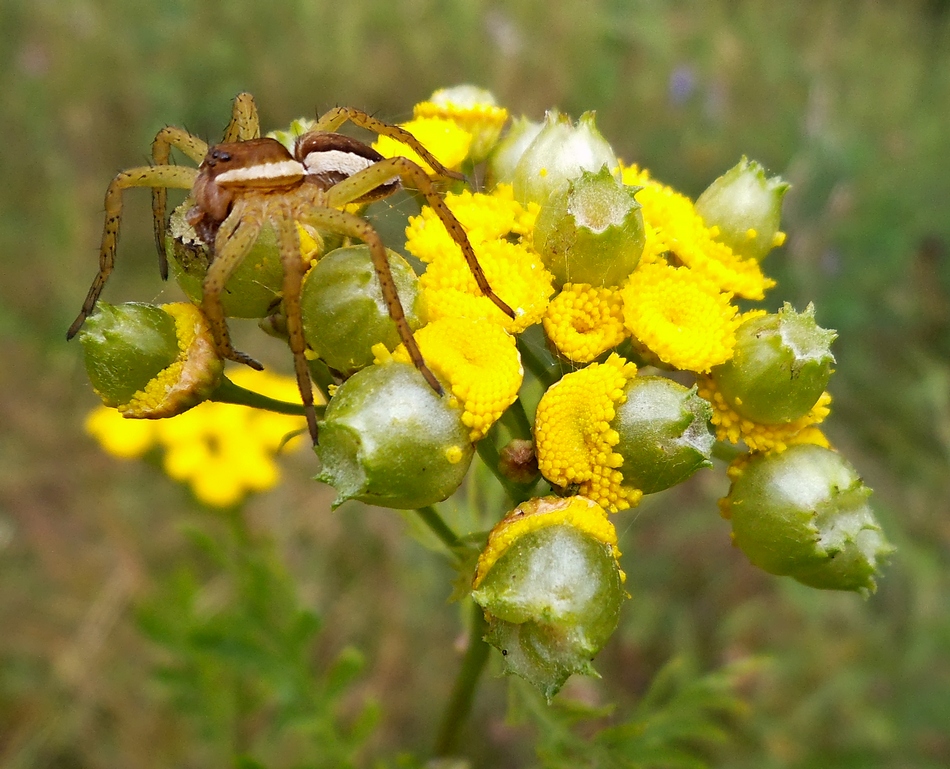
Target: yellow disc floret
582, 321
577, 512
680, 316
573, 437
672, 225
479, 361
472, 109
734, 428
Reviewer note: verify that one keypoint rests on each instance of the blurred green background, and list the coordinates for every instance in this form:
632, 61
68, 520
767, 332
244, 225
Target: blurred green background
119, 594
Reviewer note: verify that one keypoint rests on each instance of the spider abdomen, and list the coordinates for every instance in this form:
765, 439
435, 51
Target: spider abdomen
329, 158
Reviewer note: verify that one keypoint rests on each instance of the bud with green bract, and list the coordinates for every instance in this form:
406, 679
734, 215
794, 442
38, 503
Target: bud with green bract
344, 311
804, 513
558, 154
551, 588
781, 366
508, 151
388, 439
150, 362
591, 231
746, 207
664, 433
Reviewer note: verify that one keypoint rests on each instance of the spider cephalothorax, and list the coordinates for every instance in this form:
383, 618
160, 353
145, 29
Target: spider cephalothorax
248, 182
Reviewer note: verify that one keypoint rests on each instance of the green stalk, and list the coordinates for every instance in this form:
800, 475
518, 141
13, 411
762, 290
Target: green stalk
430, 516
228, 392
463, 692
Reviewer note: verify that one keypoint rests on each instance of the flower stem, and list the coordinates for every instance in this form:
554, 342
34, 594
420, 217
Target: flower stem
228, 392
463, 692
430, 516
542, 369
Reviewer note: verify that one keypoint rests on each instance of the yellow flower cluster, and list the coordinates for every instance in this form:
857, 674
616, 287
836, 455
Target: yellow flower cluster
448, 142
734, 428
573, 437
186, 381
680, 316
577, 512
496, 224
221, 451
583, 322
472, 110
480, 362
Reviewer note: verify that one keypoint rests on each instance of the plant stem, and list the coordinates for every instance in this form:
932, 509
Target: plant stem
463, 692
545, 373
430, 516
228, 392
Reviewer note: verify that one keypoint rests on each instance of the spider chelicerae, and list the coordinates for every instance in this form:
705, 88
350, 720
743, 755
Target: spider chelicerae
247, 182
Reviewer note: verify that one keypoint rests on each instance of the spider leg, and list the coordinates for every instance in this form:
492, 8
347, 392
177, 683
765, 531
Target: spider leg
245, 123
414, 176
353, 226
178, 177
194, 148
234, 239
294, 269
336, 117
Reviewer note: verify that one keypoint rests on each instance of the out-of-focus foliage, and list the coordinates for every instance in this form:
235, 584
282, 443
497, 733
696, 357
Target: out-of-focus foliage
849, 101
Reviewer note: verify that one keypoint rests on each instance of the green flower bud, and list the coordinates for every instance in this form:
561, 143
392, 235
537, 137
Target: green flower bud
664, 433
387, 439
591, 231
804, 513
559, 153
551, 589
344, 312
507, 152
150, 362
781, 366
746, 207
254, 290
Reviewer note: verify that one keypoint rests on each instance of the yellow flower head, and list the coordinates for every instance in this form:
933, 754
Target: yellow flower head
187, 381
443, 138
513, 269
472, 109
680, 316
734, 428
573, 437
480, 362
582, 321
672, 225
576, 512
221, 450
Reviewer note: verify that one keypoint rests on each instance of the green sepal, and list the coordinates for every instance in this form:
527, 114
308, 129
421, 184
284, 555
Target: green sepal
344, 312
592, 231
388, 439
742, 201
552, 601
664, 433
781, 366
805, 513
125, 347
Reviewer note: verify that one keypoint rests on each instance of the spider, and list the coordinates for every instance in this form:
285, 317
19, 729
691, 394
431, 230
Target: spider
248, 181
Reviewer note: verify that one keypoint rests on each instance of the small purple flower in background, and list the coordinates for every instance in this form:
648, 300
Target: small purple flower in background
682, 84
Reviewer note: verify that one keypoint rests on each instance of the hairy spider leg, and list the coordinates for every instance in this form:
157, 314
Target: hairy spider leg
294, 270
414, 176
235, 237
336, 117
245, 123
194, 148
343, 223
178, 177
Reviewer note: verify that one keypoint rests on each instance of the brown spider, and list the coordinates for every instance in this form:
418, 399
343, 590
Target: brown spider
247, 181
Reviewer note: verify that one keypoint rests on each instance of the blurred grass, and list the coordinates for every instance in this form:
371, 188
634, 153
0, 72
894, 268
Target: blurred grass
850, 101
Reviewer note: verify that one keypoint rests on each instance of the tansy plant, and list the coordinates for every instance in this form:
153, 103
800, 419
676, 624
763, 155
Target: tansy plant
626, 365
